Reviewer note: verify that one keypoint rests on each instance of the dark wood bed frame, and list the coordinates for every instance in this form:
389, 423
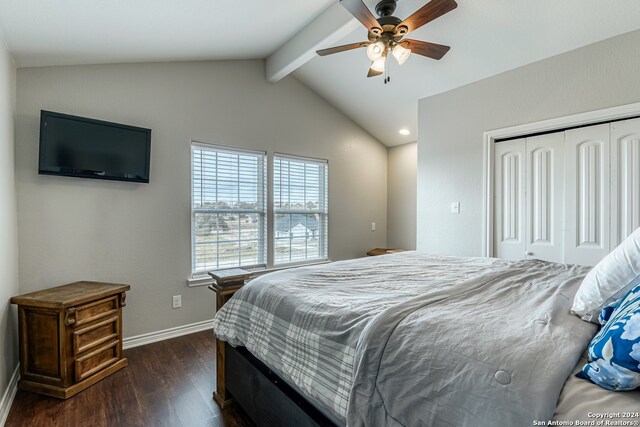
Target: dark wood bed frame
265, 397
243, 379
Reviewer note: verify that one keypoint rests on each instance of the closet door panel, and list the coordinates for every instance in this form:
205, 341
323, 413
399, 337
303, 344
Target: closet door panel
625, 179
510, 177
587, 237
544, 197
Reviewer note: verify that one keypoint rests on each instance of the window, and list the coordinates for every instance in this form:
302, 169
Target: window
228, 208
300, 209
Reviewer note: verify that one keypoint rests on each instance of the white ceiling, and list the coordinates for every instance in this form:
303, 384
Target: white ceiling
486, 37
65, 32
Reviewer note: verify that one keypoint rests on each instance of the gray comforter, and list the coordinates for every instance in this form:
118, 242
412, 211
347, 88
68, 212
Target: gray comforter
413, 339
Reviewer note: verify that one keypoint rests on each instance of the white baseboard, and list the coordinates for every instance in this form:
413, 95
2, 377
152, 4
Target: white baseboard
166, 334
9, 394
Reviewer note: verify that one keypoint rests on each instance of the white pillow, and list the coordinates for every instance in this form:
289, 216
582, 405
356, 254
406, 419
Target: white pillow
610, 280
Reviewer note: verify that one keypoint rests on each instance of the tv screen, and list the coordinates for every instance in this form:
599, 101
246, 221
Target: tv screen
88, 148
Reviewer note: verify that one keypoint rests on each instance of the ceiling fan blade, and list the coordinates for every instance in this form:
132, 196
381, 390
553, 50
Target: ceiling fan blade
343, 48
427, 13
430, 50
362, 13
373, 73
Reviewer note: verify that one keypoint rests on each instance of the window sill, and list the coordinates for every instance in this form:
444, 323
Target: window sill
198, 281
195, 282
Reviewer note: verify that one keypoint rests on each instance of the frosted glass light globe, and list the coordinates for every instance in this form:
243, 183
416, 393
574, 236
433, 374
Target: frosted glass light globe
401, 54
378, 65
375, 51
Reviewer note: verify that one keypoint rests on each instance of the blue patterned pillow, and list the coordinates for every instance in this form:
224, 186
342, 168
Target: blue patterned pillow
606, 313
614, 353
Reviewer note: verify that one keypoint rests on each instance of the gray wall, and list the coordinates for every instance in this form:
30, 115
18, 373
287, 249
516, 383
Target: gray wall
451, 126
8, 220
72, 229
402, 166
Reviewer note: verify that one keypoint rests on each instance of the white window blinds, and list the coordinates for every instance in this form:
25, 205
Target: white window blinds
228, 208
300, 209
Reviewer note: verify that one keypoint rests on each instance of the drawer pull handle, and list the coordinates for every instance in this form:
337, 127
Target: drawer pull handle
71, 316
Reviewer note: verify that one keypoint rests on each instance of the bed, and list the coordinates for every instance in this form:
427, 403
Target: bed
416, 339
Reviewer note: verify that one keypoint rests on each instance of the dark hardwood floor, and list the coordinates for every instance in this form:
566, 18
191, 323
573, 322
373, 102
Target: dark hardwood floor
168, 383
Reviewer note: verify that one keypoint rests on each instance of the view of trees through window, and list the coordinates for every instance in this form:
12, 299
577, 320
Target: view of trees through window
228, 208
300, 229
229, 212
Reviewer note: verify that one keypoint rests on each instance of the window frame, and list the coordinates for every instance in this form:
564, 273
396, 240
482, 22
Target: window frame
201, 278
263, 245
323, 212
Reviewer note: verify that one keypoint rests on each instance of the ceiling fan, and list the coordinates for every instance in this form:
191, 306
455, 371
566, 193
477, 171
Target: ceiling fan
386, 33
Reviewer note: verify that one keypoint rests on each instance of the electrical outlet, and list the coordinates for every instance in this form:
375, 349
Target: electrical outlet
455, 207
177, 301
373, 226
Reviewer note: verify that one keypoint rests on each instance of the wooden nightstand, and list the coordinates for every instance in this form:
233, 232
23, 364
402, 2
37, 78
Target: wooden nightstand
383, 251
70, 337
227, 282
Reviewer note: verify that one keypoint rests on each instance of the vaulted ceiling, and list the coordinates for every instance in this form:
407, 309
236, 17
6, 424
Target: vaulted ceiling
486, 38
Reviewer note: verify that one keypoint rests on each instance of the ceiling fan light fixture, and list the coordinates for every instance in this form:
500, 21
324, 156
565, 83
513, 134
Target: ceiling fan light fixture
378, 64
375, 51
401, 54
386, 33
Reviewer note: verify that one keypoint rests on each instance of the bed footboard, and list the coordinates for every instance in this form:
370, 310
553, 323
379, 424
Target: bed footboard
266, 398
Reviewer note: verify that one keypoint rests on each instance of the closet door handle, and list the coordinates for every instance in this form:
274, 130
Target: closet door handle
528, 253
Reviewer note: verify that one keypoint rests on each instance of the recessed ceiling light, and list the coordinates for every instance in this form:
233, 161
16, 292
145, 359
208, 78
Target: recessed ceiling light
404, 132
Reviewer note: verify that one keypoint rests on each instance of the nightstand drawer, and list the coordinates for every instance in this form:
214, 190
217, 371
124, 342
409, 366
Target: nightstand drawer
92, 336
96, 310
96, 360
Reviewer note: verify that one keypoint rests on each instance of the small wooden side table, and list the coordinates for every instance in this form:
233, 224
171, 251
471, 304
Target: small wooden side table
227, 282
70, 337
383, 251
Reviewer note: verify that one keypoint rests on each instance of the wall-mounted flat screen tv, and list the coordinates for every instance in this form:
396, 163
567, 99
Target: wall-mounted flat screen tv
88, 148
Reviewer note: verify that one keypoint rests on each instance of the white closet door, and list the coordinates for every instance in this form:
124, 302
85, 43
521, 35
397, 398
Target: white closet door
545, 197
587, 156
625, 179
509, 218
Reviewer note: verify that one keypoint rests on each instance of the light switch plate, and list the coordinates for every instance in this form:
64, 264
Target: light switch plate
177, 301
455, 207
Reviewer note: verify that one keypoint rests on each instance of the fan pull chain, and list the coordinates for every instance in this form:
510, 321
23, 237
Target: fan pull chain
387, 78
